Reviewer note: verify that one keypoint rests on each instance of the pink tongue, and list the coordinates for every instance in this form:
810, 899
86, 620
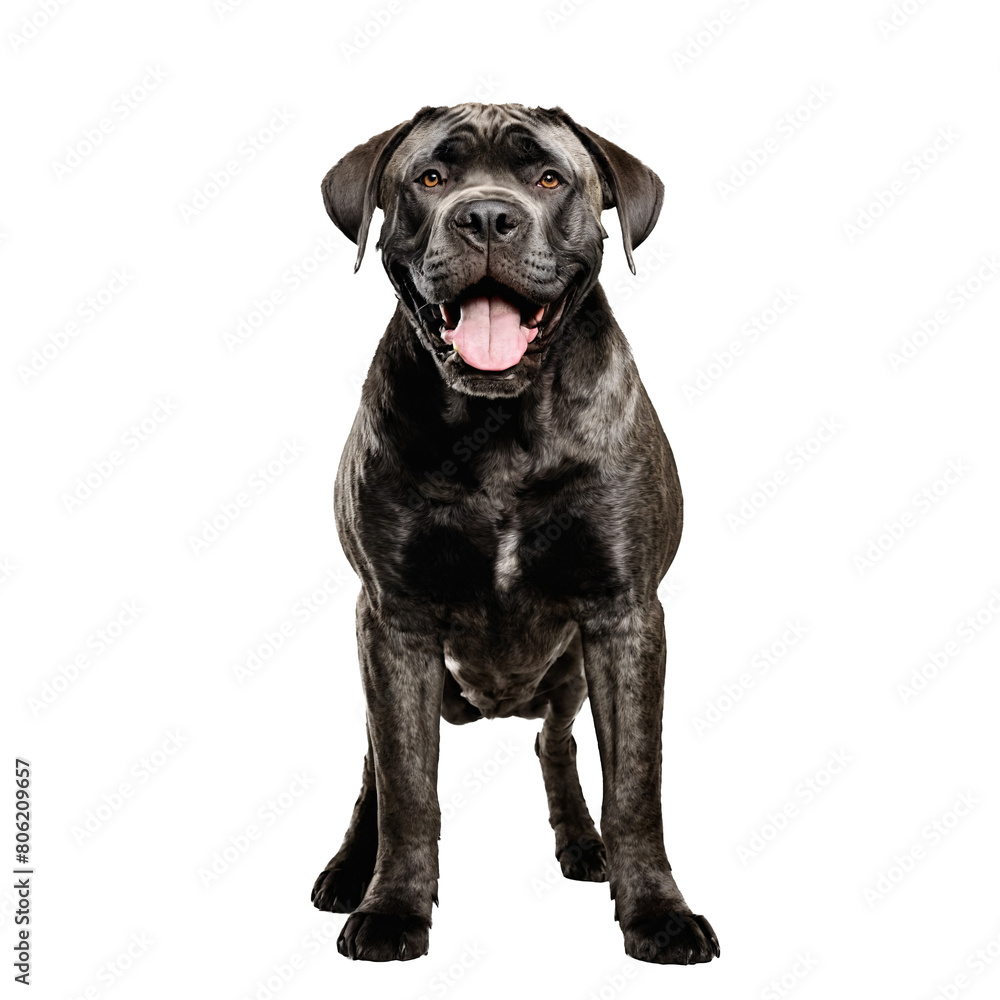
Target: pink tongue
489, 335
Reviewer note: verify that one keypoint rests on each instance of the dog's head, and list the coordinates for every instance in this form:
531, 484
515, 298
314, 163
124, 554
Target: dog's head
492, 234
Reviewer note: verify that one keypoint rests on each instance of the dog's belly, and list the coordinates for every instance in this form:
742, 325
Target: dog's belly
503, 574
504, 665
509, 589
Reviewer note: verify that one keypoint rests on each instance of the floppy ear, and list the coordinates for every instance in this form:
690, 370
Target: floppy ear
627, 184
351, 187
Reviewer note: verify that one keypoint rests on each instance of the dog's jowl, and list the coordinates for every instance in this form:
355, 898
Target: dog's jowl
510, 503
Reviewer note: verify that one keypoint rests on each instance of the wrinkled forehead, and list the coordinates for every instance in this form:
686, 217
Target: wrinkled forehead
498, 138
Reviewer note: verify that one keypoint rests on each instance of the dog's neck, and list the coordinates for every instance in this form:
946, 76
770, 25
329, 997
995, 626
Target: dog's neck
587, 374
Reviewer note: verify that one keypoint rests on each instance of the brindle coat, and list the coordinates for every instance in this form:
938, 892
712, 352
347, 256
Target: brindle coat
509, 528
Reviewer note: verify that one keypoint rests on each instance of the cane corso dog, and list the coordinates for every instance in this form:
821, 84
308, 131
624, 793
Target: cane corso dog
509, 500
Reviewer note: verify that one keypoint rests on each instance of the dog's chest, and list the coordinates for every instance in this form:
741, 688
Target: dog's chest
477, 550
490, 517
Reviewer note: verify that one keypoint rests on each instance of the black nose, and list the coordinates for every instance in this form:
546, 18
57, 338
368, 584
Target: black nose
487, 220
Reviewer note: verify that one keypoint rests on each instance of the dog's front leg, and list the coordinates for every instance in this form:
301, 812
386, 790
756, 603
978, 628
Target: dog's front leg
624, 655
403, 675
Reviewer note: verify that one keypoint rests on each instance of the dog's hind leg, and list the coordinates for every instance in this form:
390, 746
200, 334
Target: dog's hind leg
579, 848
341, 885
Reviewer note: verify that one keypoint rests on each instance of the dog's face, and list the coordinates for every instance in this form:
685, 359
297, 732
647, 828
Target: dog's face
492, 234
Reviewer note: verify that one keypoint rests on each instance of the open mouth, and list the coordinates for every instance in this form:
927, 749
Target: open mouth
490, 326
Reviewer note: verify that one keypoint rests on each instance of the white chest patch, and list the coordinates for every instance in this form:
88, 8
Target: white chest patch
507, 568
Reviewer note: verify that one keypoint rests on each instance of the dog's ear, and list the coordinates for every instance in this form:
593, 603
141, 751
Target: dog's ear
351, 188
627, 184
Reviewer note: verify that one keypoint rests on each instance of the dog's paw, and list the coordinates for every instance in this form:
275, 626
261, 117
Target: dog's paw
384, 937
584, 861
341, 886
672, 939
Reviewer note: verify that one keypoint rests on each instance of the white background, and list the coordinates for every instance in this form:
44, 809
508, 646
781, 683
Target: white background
715, 261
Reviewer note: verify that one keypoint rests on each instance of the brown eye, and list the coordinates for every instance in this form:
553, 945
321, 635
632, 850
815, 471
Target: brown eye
550, 179
431, 178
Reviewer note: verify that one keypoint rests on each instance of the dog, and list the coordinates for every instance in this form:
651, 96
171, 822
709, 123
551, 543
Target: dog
510, 503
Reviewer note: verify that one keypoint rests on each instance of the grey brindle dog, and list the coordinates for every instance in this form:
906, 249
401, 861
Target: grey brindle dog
509, 500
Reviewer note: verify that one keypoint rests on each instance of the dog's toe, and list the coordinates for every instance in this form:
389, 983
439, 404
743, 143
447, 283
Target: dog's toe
340, 887
584, 861
384, 937
672, 939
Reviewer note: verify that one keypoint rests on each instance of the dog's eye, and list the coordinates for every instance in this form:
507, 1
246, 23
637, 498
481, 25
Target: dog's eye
550, 179
430, 178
